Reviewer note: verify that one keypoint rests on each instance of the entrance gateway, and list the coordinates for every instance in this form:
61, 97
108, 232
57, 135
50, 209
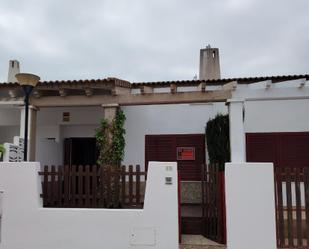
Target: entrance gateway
188, 150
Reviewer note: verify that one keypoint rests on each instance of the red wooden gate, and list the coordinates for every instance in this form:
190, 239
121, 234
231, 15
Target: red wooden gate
213, 195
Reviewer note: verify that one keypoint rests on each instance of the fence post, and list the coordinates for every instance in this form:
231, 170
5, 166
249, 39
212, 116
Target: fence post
53, 186
87, 186
45, 187
130, 184
306, 183
279, 207
289, 206
137, 185
123, 185
60, 185
298, 207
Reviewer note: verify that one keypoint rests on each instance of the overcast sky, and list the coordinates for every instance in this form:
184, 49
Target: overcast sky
152, 40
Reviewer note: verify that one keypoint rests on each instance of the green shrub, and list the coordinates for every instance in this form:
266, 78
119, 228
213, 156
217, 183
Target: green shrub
218, 140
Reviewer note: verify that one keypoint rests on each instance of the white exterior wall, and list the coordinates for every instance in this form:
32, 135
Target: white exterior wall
9, 123
7, 133
277, 116
9, 116
163, 119
260, 116
51, 130
26, 225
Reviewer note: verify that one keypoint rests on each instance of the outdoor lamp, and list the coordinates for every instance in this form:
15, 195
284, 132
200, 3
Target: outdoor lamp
28, 82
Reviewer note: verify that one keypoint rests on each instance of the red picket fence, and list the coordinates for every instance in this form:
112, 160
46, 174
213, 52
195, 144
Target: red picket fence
292, 207
93, 186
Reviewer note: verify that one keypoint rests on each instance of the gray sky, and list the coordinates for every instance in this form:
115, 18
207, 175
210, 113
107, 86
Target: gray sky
152, 40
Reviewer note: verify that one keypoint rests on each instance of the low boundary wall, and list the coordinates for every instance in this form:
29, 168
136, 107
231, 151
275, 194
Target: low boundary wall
26, 225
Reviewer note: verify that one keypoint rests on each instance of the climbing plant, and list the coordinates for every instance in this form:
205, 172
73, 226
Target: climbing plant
110, 143
2, 151
110, 140
218, 142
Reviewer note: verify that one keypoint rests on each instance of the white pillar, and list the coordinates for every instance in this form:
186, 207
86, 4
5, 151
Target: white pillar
31, 130
250, 206
110, 111
237, 130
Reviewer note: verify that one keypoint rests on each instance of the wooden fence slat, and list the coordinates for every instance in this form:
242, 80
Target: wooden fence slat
108, 185
102, 187
219, 206
208, 221
130, 185
280, 219
123, 185
298, 208
79, 176
45, 187
60, 186
66, 186
87, 186
306, 183
203, 198
73, 186
211, 200
137, 185
53, 187
117, 187
94, 179
289, 207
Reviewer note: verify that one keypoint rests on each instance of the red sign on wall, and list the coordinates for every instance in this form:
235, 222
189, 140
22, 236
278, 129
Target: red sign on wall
185, 153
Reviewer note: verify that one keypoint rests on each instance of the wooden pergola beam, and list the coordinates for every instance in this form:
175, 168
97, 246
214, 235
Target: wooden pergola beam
146, 89
230, 86
134, 99
202, 87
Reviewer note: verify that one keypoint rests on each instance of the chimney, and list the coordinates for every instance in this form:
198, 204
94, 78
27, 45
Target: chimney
13, 70
209, 64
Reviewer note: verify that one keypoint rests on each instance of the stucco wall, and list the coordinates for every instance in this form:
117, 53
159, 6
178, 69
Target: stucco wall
260, 116
250, 206
9, 116
52, 130
26, 225
7, 133
163, 119
277, 116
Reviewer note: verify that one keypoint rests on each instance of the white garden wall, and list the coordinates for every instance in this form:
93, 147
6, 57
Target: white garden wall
26, 225
250, 206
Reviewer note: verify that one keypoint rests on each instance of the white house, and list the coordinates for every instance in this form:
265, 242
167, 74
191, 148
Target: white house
269, 119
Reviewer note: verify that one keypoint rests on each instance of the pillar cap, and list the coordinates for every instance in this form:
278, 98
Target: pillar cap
228, 101
32, 107
110, 105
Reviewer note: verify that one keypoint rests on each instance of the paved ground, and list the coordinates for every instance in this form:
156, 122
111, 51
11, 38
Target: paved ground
198, 242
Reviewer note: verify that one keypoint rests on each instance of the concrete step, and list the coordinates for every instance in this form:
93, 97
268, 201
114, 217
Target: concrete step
198, 242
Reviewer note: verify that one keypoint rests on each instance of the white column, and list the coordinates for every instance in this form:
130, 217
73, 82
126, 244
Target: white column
31, 130
250, 206
237, 130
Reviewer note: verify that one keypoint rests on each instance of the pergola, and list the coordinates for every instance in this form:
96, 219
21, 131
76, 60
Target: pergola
110, 93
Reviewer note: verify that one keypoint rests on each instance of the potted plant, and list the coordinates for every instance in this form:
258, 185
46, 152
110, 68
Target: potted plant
2, 150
